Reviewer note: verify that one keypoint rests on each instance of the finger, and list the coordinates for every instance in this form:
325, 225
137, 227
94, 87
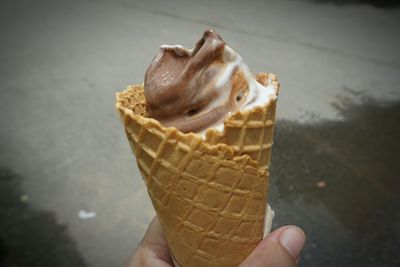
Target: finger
281, 248
153, 249
154, 235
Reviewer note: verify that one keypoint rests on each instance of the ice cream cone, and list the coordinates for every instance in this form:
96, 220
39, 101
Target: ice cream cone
251, 132
210, 196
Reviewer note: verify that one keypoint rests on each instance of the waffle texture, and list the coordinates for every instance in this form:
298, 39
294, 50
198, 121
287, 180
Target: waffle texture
251, 132
209, 195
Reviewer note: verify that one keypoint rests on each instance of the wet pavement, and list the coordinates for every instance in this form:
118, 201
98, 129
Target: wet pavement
29, 237
340, 182
335, 169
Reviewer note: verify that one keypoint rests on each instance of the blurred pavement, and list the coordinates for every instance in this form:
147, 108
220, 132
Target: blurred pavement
335, 168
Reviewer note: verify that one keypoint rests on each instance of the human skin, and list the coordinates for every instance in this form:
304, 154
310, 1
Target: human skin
281, 248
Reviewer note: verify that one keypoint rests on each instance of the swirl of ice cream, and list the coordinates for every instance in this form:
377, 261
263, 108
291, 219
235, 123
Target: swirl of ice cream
194, 89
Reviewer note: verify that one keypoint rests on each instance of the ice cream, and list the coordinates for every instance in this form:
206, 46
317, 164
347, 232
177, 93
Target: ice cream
209, 190
195, 89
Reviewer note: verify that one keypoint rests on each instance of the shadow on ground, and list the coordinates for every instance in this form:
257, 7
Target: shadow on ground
338, 180
29, 237
341, 182
376, 3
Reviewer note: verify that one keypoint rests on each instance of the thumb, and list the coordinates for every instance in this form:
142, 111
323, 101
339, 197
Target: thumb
281, 248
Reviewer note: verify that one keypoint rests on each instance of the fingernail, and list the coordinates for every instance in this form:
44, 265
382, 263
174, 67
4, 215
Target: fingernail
293, 239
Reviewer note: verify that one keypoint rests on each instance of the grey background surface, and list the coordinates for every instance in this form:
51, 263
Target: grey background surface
62, 148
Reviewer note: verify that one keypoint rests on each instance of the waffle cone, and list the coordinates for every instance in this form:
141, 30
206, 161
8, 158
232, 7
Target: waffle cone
209, 195
251, 132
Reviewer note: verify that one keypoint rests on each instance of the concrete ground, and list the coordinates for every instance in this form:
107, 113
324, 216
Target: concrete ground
335, 169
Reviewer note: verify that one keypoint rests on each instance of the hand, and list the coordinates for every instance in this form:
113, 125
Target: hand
281, 248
